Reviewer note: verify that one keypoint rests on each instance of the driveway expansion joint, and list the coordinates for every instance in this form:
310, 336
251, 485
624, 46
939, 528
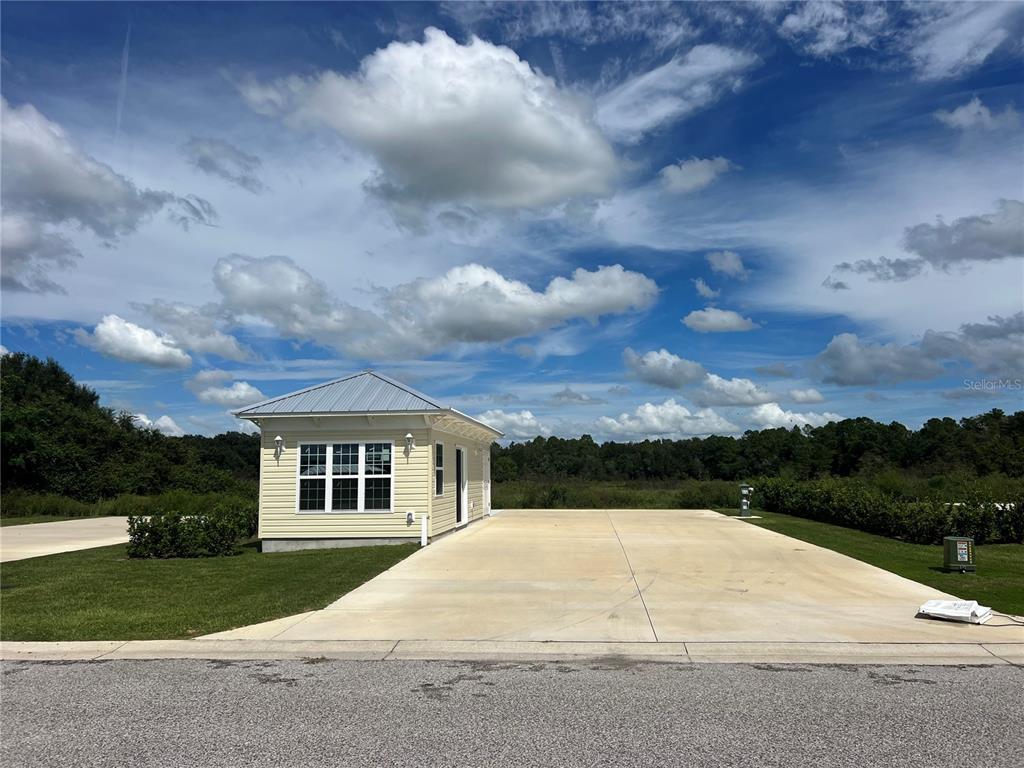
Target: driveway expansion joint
639, 592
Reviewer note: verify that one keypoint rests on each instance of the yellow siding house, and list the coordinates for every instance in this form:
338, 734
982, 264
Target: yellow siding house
367, 460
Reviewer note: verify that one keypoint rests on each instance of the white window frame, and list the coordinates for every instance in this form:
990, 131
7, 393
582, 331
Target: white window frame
462, 466
329, 477
439, 494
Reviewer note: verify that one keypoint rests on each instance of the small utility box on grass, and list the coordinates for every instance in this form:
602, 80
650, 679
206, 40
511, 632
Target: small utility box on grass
958, 554
745, 493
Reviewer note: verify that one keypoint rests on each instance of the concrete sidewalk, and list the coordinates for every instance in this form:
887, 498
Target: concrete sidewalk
969, 653
18, 542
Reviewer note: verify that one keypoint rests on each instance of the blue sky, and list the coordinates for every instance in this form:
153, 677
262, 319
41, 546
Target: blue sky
632, 221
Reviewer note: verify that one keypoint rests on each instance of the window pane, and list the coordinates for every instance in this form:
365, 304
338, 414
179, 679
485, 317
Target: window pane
438, 482
378, 458
346, 458
439, 456
312, 494
378, 493
313, 460
345, 494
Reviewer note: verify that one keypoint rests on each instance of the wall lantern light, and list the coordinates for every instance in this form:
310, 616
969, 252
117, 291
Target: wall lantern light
278, 446
410, 441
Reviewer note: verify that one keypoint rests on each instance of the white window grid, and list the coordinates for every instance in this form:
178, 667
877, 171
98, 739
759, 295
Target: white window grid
330, 476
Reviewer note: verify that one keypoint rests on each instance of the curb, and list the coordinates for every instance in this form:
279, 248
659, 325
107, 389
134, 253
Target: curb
976, 654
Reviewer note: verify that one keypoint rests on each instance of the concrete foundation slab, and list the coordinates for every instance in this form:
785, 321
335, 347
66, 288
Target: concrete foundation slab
296, 545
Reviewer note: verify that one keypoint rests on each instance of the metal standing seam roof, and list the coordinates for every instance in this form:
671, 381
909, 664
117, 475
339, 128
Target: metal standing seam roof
366, 392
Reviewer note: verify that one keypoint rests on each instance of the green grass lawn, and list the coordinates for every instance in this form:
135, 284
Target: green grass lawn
998, 583
99, 594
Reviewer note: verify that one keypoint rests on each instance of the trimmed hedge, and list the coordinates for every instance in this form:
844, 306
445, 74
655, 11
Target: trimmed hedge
687, 494
214, 532
854, 504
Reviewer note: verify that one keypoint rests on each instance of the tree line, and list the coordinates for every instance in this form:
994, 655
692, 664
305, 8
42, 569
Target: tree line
988, 444
56, 438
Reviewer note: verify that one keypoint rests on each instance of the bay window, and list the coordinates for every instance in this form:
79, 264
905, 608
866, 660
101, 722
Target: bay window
345, 477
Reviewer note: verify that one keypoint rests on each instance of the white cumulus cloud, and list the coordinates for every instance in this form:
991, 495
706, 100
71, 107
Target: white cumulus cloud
771, 415
995, 347
847, 360
447, 122
662, 368
115, 337
705, 290
165, 424
195, 329
716, 390
466, 305
974, 114
667, 419
693, 174
727, 263
713, 320
810, 395
520, 424
211, 387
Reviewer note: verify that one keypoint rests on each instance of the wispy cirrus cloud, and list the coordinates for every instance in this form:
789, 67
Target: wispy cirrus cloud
226, 161
50, 187
936, 41
672, 92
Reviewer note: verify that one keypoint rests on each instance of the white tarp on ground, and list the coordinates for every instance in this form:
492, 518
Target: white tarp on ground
957, 610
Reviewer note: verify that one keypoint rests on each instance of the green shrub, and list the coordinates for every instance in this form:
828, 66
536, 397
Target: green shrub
990, 512
167, 531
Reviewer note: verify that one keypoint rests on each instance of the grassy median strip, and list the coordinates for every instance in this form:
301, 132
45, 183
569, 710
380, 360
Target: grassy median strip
99, 594
998, 583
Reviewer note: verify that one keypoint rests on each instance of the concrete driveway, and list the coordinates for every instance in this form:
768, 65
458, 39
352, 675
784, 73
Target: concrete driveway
628, 576
18, 542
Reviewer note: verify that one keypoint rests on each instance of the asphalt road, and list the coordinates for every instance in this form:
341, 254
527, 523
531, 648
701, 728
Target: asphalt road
409, 713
